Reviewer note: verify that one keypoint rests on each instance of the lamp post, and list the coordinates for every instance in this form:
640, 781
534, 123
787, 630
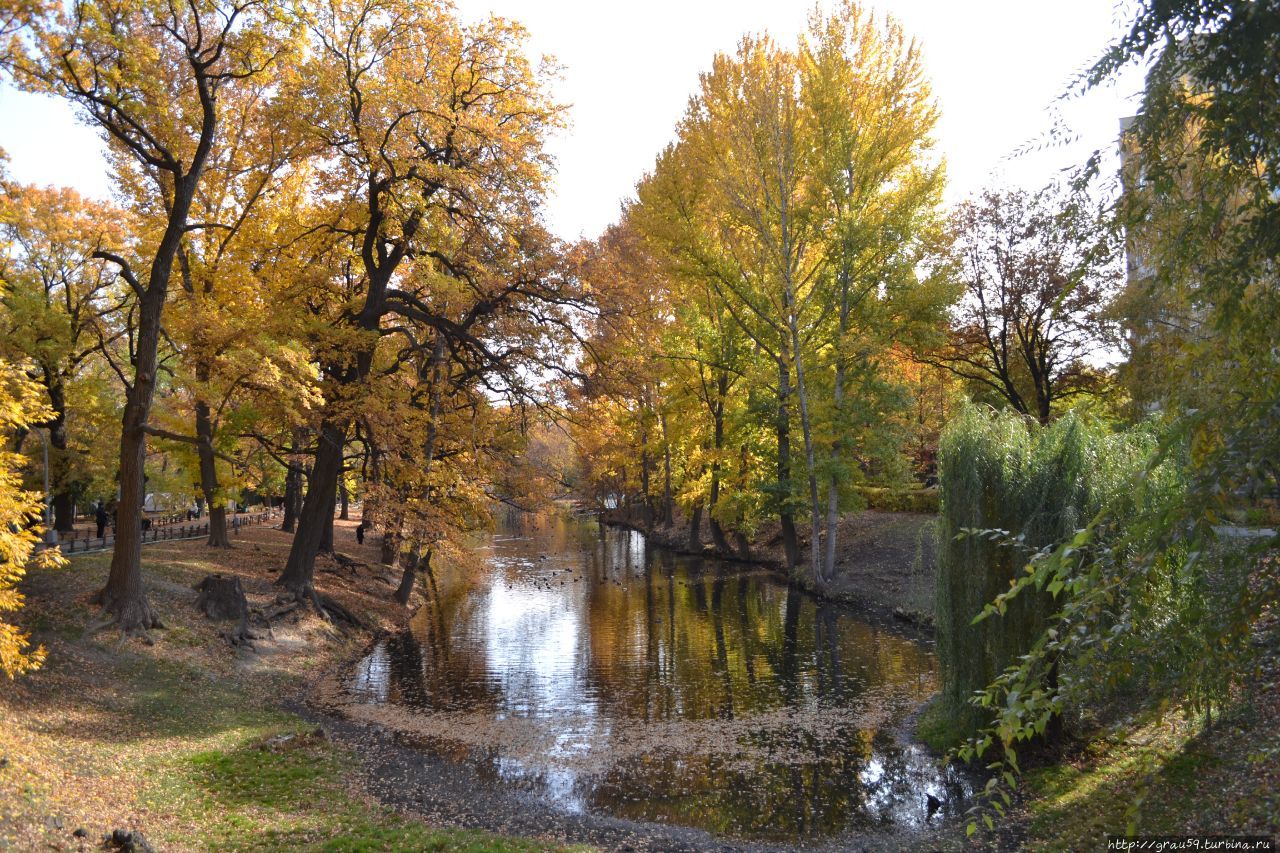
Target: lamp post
50, 535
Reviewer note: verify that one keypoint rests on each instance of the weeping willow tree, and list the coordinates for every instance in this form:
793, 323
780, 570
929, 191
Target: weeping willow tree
1011, 487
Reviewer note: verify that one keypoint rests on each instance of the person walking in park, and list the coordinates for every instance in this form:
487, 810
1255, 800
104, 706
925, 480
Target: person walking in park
100, 518
360, 533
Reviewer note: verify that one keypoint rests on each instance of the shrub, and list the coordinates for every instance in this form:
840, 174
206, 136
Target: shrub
900, 500
1009, 487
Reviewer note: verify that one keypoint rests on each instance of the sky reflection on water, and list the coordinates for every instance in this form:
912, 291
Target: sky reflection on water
609, 676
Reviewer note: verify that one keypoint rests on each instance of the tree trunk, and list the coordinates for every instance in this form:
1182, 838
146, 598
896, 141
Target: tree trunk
64, 514
209, 474
695, 528
786, 516
123, 597
326, 534
292, 496
344, 500
668, 499
717, 413
390, 553
810, 456
298, 576
837, 446
410, 575
646, 507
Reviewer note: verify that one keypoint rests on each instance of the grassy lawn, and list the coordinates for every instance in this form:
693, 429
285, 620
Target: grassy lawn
1177, 778
181, 740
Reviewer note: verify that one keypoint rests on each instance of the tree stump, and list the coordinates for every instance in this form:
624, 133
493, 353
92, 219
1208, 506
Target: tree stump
222, 599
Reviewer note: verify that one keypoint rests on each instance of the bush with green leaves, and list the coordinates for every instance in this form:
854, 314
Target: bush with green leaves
1151, 598
1011, 487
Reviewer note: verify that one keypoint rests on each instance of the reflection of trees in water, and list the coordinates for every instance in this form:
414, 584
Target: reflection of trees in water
674, 638
765, 799
432, 671
871, 781
694, 638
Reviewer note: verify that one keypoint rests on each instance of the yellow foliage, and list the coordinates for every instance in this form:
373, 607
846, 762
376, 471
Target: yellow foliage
20, 406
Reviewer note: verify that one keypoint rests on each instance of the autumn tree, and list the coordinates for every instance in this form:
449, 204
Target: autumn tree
56, 313
1039, 270
872, 116
625, 373
800, 198
237, 316
21, 407
151, 79
432, 161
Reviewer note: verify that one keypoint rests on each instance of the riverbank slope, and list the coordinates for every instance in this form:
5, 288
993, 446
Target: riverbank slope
187, 741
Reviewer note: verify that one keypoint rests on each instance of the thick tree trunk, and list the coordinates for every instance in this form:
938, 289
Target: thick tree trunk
1044, 406
123, 597
326, 535
718, 538
786, 516
695, 528
218, 537
64, 512
390, 552
411, 564
298, 576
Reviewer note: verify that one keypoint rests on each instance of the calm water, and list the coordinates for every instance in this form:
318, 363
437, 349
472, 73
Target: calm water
612, 677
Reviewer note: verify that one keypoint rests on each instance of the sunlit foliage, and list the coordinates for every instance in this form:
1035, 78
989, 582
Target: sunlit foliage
21, 407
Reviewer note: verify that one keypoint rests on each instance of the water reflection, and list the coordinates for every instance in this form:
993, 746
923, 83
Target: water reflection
610, 676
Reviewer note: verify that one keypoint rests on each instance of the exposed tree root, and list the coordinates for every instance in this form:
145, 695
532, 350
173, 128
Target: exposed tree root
348, 562
326, 606
131, 614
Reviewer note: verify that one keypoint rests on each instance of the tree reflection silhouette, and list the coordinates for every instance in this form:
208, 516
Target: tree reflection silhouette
591, 636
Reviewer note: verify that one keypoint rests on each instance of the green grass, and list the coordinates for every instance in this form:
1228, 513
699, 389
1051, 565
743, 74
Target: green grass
113, 733
256, 799
245, 797
936, 729
1171, 779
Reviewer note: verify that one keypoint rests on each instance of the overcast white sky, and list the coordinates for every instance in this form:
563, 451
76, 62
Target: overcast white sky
997, 66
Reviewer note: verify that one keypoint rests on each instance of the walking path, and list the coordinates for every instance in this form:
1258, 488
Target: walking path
82, 542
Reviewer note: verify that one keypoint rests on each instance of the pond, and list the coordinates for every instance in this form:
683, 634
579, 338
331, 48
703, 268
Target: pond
607, 676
